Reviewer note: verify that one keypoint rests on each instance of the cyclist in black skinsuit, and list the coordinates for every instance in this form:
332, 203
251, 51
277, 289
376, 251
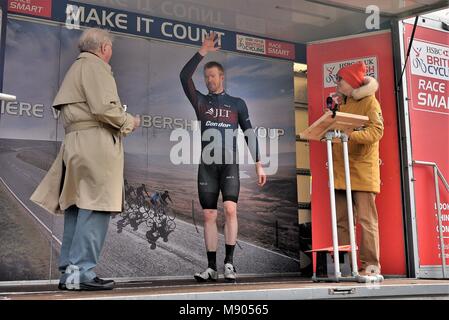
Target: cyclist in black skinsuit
218, 113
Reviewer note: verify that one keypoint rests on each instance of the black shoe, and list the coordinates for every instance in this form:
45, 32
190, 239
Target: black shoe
104, 281
61, 285
97, 284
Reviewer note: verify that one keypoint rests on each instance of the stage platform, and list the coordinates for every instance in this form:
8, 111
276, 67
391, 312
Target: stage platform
247, 288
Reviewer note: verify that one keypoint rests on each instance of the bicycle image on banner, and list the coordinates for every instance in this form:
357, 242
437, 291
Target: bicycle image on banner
152, 209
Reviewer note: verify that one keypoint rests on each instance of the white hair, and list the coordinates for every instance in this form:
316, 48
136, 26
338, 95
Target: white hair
93, 38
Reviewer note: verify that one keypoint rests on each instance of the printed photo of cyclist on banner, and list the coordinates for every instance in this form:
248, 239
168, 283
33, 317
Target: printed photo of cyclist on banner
160, 231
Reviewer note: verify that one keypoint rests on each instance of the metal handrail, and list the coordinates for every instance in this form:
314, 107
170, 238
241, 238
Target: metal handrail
433, 164
437, 173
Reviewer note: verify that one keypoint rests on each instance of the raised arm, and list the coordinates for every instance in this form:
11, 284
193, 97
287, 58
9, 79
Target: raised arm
209, 45
186, 78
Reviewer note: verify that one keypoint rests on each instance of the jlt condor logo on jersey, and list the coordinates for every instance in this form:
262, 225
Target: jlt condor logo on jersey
218, 113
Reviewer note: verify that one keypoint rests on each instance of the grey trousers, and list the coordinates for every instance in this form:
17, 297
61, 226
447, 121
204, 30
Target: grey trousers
82, 242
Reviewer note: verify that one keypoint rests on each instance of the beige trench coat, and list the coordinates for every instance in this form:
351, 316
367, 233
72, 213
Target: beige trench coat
88, 171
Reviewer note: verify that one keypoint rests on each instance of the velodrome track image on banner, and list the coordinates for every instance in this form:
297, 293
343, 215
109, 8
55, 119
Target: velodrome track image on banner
141, 241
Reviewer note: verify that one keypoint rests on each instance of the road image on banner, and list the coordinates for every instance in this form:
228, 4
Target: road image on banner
160, 231
428, 85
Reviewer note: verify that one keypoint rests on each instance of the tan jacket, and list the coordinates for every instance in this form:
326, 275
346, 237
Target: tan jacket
363, 145
88, 171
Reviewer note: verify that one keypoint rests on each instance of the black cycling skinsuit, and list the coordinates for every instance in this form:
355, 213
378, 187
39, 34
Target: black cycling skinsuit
221, 112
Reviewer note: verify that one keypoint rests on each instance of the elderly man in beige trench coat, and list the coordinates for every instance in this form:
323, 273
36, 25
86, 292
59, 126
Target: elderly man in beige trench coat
86, 179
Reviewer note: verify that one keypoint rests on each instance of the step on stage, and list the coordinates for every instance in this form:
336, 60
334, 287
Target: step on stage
247, 288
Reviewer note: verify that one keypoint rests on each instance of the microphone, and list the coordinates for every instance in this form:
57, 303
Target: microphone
329, 102
331, 107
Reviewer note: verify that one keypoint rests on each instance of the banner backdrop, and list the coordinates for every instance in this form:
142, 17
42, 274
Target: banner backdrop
142, 242
428, 83
324, 61
81, 13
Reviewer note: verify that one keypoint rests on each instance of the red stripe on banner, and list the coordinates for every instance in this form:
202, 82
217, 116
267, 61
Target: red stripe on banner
280, 49
39, 8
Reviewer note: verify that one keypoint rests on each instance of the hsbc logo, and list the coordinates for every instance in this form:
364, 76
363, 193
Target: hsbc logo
218, 113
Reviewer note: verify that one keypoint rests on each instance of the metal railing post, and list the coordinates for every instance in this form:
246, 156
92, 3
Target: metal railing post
440, 225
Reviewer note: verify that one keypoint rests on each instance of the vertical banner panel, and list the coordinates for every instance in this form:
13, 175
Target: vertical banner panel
324, 61
428, 85
28, 146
